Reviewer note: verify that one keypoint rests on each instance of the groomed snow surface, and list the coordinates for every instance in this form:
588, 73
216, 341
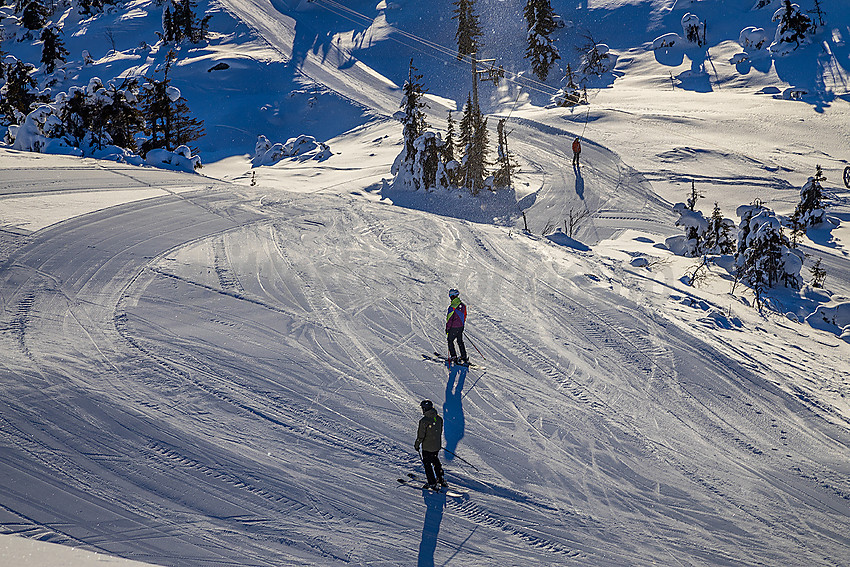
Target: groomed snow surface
225, 368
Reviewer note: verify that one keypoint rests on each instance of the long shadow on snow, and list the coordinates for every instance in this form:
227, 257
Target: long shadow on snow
453, 419
434, 505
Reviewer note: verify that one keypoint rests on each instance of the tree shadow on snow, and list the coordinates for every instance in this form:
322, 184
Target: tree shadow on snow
822, 234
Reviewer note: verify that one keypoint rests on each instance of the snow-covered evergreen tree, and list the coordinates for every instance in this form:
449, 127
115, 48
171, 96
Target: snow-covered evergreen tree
474, 141
571, 93
719, 234
810, 210
179, 22
695, 226
505, 163
793, 28
693, 28
34, 15
19, 92
765, 258
52, 49
168, 120
449, 145
87, 7
412, 117
81, 121
596, 59
540, 21
469, 32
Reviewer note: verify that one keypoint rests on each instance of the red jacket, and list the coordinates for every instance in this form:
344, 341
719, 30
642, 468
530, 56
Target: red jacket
576, 147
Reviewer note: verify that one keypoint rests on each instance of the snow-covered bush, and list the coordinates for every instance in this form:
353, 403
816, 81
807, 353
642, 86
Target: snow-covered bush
693, 28
695, 226
792, 29
83, 121
181, 159
752, 38
303, 147
765, 258
667, 40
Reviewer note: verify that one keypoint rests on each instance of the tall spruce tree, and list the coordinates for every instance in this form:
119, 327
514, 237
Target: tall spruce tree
540, 21
449, 145
718, 236
19, 92
469, 32
413, 121
168, 120
475, 138
52, 49
122, 117
505, 164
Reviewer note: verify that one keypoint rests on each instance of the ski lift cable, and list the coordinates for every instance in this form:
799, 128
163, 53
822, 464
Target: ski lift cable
362, 19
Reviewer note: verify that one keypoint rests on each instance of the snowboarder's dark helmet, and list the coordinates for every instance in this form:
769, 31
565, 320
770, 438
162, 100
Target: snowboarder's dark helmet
453, 293
427, 405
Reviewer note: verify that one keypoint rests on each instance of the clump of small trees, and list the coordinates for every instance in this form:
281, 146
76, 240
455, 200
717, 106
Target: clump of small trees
764, 245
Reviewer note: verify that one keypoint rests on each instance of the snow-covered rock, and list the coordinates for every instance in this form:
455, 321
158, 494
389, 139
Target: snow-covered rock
667, 40
181, 159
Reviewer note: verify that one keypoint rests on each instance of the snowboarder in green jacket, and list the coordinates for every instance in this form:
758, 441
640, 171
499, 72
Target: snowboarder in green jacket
429, 437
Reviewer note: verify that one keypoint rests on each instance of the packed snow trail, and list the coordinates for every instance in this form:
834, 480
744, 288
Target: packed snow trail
215, 377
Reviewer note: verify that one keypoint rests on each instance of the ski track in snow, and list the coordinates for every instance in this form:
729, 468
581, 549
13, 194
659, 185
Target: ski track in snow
241, 388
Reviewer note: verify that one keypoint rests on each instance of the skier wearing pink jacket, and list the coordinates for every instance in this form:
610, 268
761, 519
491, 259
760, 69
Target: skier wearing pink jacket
455, 320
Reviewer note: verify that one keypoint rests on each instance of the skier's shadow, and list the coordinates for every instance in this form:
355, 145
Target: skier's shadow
579, 182
453, 420
434, 504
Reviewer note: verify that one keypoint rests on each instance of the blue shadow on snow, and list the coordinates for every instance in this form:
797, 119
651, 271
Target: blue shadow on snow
434, 504
453, 419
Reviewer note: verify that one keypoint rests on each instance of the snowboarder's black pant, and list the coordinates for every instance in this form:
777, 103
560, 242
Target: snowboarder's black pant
456, 334
433, 468
575, 158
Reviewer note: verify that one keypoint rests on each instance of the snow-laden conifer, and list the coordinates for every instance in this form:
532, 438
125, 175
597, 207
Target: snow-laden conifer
810, 210
540, 50
469, 32
52, 49
792, 30
765, 258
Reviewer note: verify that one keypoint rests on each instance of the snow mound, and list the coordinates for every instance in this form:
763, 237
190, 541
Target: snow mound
181, 159
303, 147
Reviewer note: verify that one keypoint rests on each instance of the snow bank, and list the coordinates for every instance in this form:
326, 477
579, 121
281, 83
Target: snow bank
832, 318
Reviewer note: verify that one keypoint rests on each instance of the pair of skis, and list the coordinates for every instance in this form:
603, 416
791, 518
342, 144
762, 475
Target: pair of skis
439, 358
419, 484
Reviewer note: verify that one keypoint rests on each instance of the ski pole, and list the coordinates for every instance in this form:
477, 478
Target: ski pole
476, 348
468, 390
461, 458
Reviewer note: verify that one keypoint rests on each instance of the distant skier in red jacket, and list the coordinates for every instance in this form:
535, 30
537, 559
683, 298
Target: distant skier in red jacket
455, 320
576, 151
